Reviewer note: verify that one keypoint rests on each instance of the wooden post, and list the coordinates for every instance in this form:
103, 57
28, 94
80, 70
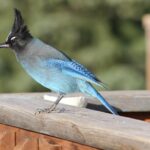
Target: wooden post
146, 24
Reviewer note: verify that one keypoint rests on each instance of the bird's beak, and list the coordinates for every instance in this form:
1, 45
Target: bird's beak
4, 45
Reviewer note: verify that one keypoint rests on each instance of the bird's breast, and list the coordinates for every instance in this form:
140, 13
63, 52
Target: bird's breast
50, 77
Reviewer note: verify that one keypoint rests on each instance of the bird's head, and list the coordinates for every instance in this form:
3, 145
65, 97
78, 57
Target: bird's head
19, 35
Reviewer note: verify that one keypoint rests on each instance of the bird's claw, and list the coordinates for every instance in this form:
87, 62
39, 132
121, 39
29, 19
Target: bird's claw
39, 111
45, 110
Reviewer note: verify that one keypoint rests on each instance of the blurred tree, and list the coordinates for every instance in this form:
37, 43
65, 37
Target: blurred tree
105, 36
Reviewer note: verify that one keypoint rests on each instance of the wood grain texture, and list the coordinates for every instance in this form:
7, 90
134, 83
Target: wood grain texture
124, 101
44, 145
7, 140
12, 138
27, 144
93, 128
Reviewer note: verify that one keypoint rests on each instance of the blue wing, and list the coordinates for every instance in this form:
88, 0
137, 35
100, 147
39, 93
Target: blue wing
75, 69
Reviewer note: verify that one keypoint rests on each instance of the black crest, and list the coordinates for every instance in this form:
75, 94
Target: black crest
19, 28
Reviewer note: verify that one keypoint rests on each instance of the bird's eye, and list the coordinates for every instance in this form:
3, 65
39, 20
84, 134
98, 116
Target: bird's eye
13, 38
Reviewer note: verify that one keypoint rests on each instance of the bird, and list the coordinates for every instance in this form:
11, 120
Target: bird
51, 67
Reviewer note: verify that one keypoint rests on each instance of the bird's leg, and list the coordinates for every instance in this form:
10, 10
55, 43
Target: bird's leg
52, 107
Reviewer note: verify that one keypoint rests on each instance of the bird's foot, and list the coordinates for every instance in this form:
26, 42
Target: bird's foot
46, 110
40, 110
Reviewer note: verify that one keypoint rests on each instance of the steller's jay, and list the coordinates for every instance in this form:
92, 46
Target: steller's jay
50, 67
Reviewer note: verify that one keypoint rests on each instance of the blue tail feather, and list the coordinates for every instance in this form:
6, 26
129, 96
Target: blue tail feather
105, 103
86, 87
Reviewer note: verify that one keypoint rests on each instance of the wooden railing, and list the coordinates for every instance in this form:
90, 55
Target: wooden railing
89, 128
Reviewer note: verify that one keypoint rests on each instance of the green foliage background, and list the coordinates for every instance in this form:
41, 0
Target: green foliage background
104, 35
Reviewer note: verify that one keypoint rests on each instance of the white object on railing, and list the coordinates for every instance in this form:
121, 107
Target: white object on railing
73, 101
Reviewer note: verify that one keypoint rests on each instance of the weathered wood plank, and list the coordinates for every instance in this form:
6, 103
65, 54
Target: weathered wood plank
97, 129
125, 101
65, 144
